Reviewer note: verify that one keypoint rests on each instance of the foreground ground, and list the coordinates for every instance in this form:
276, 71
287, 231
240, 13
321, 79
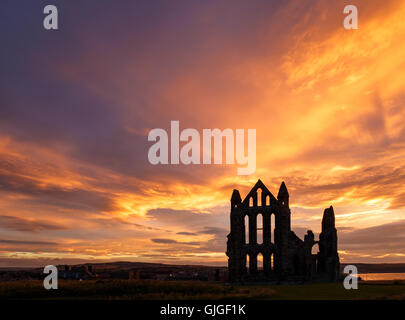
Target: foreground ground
176, 290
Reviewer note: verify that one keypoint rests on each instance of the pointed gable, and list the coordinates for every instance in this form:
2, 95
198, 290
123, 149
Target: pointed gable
253, 193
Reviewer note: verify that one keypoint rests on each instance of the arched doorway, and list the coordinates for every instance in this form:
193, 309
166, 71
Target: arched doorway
260, 267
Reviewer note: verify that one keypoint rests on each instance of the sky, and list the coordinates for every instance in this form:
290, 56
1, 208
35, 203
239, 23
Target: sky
77, 104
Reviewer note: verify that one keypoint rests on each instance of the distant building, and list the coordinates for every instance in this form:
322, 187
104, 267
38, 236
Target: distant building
285, 256
77, 272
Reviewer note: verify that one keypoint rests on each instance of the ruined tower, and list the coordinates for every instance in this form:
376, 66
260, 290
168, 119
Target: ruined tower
284, 254
236, 238
328, 258
282, 231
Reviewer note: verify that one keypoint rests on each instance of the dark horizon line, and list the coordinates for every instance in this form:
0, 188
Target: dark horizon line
192, 265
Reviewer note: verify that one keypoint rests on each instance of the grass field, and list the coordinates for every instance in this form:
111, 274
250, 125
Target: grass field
178, 290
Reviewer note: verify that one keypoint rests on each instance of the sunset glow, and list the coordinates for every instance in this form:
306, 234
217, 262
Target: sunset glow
76, 107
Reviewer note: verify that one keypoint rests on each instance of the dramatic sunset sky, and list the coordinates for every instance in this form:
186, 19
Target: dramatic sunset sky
76, 106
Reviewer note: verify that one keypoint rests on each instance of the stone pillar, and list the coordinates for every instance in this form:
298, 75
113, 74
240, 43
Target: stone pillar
253, 263
266, 228
267, 263
252, 228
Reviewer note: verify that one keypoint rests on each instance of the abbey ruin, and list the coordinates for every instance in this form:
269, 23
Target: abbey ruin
284, 256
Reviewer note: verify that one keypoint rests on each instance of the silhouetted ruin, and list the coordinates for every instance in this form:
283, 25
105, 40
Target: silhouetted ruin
284, 255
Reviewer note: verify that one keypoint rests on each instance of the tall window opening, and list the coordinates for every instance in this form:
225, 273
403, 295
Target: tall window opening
272, 261
259, 197
246, 229
260, 228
